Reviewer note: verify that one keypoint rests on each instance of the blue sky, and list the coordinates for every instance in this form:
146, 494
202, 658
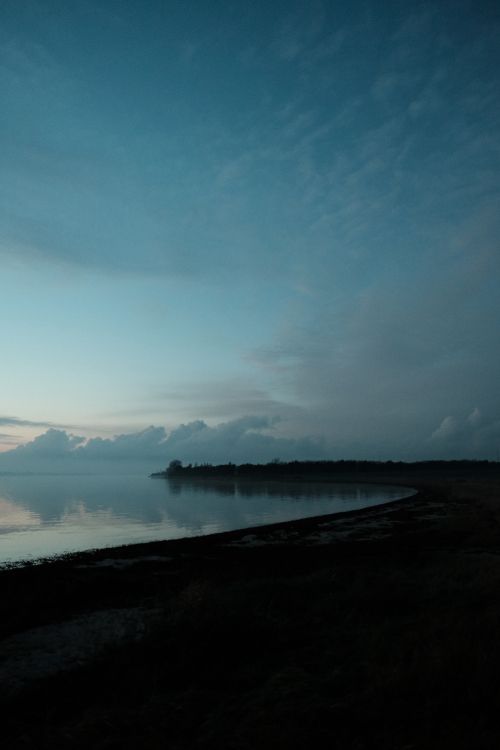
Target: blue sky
286, 212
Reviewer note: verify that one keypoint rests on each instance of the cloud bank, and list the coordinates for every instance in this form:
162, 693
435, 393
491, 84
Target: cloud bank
246, 439
239, 440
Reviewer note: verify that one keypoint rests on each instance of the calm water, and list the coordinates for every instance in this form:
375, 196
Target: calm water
47, 515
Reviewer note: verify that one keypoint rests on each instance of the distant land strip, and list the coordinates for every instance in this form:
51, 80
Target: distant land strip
314, 469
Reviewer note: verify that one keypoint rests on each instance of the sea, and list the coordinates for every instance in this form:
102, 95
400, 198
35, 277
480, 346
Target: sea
42, 516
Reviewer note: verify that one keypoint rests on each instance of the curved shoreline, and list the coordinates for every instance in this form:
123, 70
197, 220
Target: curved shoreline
302, 525
295, 525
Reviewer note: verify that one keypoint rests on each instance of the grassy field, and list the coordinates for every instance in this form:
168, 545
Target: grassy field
378, 629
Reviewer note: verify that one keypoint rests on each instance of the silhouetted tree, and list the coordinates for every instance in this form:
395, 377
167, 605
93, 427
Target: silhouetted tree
174, 466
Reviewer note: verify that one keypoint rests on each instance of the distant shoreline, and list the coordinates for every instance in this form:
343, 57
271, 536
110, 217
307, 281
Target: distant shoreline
326, 470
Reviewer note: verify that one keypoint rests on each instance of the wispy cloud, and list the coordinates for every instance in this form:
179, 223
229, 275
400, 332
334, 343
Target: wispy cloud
333, 164
349, 153
17, 422
225, 398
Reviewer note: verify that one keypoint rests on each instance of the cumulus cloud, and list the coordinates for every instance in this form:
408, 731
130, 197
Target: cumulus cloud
239, 440
446, 429
148, 443
470, 436
474, 417
58, 450
52, 444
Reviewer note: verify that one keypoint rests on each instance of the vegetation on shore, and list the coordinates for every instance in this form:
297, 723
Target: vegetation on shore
311, 469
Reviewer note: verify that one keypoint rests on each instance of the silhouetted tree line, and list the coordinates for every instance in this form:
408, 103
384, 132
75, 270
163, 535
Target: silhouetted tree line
288, 469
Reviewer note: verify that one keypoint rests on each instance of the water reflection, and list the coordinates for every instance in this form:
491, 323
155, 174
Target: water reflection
276, 489
45, 515
14, 516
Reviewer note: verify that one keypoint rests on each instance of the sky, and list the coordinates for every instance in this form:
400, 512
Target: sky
246, 231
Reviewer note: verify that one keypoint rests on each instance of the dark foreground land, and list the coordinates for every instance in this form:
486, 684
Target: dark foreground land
378, 629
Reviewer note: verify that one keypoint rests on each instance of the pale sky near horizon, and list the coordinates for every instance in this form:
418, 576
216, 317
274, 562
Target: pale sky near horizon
281, 219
